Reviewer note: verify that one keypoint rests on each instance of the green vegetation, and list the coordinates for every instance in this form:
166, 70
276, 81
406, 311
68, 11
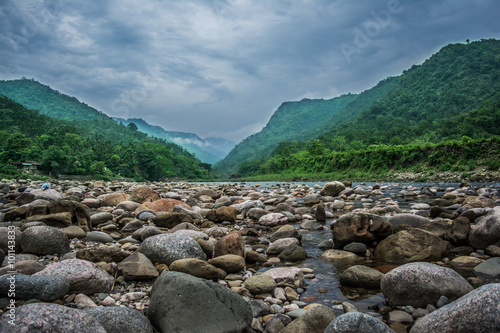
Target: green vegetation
410, 122
64, 147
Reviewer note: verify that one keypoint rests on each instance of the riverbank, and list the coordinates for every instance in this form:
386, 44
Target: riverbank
284, 254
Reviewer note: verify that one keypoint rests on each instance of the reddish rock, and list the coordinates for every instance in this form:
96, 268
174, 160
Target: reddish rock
144, 194
115, 198
162, 205
225, 213
232, 243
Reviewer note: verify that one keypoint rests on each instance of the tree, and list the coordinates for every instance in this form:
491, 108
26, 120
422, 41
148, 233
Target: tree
132, 127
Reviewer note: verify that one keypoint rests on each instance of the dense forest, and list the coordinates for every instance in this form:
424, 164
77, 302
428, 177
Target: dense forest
452, 98
64, 147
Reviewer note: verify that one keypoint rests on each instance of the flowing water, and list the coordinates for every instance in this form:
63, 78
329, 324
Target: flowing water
327, 273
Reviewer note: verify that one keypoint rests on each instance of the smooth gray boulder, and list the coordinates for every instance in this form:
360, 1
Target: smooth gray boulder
487, 231
408, 219
421, 283
42, 240
49, 317
476, 312
44, 288
183, 303
357, 322
119, 319
167, 248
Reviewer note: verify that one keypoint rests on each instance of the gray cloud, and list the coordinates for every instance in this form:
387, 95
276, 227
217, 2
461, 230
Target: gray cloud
221, 68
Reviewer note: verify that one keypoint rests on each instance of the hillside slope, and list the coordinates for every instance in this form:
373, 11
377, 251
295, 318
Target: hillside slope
189, 141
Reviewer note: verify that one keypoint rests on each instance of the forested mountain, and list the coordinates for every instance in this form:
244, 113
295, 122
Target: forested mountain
189, 141
454, 93
65, 147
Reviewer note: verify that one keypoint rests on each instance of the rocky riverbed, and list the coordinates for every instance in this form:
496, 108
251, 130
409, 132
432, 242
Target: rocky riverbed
235, 257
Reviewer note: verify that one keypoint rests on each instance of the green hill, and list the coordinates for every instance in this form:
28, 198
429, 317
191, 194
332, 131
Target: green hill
452, 94
189, 141
86, 142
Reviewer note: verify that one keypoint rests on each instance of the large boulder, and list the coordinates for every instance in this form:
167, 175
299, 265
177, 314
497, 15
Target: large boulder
315, 320
409, 219
171, 219
49, 317
162, 205
44, 288
232, 243
167, 248
357, 322
113, 199
195, 267
119, 319
144, 194
360, 227
332, 189
50, 194
273, 219
361, 276
418, 284
5, 232
479, 202
61, 213
221, 214
184, 303
137, 267
475, 312
410, 245
43, 240
487, 231
84, 276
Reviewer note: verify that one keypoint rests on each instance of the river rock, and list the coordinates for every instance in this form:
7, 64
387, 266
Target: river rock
49, 317
246, 205
44, 288
128, 206
74, 232
355, 247
137, 267
145, 232
260, 284
315, 320
99, 236
192, 234
493, 251
273, 219
339, 255
102, 253
418, 284
256, 213
332, 189
460, 230
409, 219
26, 267
360, 227
51, 194
113, 199
293, 252
357, 322
487, 231
119, 319
479, 202
170, 219
280, 244
489, 267
361, 277
466, 261
144, 194
230, 263
232, 243
195, 267
162, 205
475, 312
167, 248
183, 303
286, 275
286, 231
42, 240
100, 218
409, 246
92, 202
225, 213
83, 276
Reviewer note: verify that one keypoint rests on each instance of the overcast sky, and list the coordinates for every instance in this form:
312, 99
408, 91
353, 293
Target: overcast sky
221, 68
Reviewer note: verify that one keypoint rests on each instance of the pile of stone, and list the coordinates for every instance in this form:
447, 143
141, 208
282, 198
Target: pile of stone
183, 257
